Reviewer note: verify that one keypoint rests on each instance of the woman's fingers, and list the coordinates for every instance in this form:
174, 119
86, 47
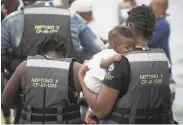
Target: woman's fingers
90, 118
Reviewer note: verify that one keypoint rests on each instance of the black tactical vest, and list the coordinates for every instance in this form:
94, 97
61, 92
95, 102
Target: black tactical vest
49, 96
38, 22
148, 99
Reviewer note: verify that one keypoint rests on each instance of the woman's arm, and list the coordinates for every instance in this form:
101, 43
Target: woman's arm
103, 103
11, 95
82, 72
76, 68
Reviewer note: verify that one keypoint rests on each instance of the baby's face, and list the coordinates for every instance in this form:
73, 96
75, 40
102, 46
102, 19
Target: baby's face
118, 44
119, 48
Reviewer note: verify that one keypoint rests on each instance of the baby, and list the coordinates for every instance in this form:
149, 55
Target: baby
121, 40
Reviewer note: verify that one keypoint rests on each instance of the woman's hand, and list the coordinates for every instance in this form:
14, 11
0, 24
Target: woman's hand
90, 118
82, 73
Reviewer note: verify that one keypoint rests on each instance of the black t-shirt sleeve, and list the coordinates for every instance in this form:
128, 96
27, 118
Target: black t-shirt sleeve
118, 76
114, 76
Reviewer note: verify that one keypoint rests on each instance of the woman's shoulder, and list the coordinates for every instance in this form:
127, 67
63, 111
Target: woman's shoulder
124, 60
21, 69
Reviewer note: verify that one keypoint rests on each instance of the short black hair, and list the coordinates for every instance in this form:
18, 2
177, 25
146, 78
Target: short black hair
142, 21
133, 2
53, 42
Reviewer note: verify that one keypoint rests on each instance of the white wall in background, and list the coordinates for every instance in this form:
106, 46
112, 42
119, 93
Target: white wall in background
140, 2
176, 20
105, 16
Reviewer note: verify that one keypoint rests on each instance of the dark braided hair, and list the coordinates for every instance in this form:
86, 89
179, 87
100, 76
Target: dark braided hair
142, 21
53, 42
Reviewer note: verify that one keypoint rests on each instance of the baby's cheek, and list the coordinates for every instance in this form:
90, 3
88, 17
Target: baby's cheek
121, 50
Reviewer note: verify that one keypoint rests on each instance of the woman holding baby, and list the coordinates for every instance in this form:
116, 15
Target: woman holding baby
133, 77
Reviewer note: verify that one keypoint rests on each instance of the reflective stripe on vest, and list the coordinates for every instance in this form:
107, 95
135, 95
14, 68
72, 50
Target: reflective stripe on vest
48, 63
146, 57
47, 10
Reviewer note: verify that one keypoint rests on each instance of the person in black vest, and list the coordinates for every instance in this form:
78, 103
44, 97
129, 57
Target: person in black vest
135, 90
49, 83
20, 29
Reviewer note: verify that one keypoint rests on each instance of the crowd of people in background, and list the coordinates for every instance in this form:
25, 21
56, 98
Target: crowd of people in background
142, 30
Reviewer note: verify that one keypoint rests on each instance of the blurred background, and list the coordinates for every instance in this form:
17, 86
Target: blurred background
106, 16
109, 13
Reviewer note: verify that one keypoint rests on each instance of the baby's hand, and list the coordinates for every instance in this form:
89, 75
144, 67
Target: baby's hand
116, 57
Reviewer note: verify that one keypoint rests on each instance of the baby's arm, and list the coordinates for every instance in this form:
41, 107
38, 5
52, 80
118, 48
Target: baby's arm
105, 63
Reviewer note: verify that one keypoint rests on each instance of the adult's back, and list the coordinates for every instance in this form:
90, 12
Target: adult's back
23, 30
13, 29
146, 98
43, 78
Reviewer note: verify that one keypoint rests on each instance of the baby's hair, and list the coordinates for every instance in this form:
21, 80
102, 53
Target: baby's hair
125, 33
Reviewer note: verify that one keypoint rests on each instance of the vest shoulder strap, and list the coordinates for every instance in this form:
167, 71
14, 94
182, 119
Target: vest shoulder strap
146, 55
40, 61
38, 9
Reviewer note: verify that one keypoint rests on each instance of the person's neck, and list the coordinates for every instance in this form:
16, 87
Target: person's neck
160, 14
52, 54
141, 44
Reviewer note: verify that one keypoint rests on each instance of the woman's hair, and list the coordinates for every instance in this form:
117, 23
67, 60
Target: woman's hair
53, 42
142, 21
